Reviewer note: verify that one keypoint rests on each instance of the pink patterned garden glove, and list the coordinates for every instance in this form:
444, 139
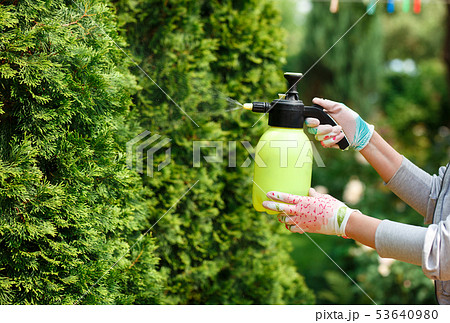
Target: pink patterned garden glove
316, 213
358, 131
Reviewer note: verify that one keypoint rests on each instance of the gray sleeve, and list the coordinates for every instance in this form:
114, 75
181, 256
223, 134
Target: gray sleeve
436, 260
400, 241
427, 247
416, 187
421, 246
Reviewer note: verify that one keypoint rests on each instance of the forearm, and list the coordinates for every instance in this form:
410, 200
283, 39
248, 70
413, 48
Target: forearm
390, 239
362, 228
383, 158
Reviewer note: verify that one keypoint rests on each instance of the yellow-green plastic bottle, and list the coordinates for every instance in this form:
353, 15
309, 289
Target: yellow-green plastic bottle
284, 155
283, 162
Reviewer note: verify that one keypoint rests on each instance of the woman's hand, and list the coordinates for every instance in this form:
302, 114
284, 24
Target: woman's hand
358, 131
316, 213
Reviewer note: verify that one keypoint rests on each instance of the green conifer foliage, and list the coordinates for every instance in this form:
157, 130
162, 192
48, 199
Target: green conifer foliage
214, 248
70, 208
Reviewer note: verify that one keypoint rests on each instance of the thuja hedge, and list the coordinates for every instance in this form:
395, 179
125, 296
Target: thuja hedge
214, 247
70, 208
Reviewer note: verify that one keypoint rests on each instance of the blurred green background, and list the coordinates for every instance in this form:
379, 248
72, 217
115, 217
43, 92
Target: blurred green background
390, 68
73, 92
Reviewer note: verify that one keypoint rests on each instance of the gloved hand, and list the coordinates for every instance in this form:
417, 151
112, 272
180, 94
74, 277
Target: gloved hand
358, 131
316, 213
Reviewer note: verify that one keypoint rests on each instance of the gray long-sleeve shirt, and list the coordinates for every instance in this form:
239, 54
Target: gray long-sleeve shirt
428, 247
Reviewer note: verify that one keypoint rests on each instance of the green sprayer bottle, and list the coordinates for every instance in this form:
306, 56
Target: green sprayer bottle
284, 155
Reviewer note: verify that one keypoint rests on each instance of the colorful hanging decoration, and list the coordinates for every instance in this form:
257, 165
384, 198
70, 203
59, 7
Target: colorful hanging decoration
406, 4
390, 6
371, 7
416, 6
334, 6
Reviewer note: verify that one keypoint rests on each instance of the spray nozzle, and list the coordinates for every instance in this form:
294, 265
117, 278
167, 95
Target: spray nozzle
261, 107
248, 106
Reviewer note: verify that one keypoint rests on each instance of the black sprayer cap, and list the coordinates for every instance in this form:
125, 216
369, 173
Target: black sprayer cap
288, 112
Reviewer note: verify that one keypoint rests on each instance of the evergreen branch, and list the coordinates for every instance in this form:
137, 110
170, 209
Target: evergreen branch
139, 239
36, 23
85, 14
139, 67
137, 258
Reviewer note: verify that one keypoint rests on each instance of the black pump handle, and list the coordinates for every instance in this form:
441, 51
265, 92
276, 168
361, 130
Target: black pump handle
317, 111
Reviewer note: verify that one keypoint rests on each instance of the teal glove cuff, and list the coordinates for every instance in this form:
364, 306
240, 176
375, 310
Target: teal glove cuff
363, 133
